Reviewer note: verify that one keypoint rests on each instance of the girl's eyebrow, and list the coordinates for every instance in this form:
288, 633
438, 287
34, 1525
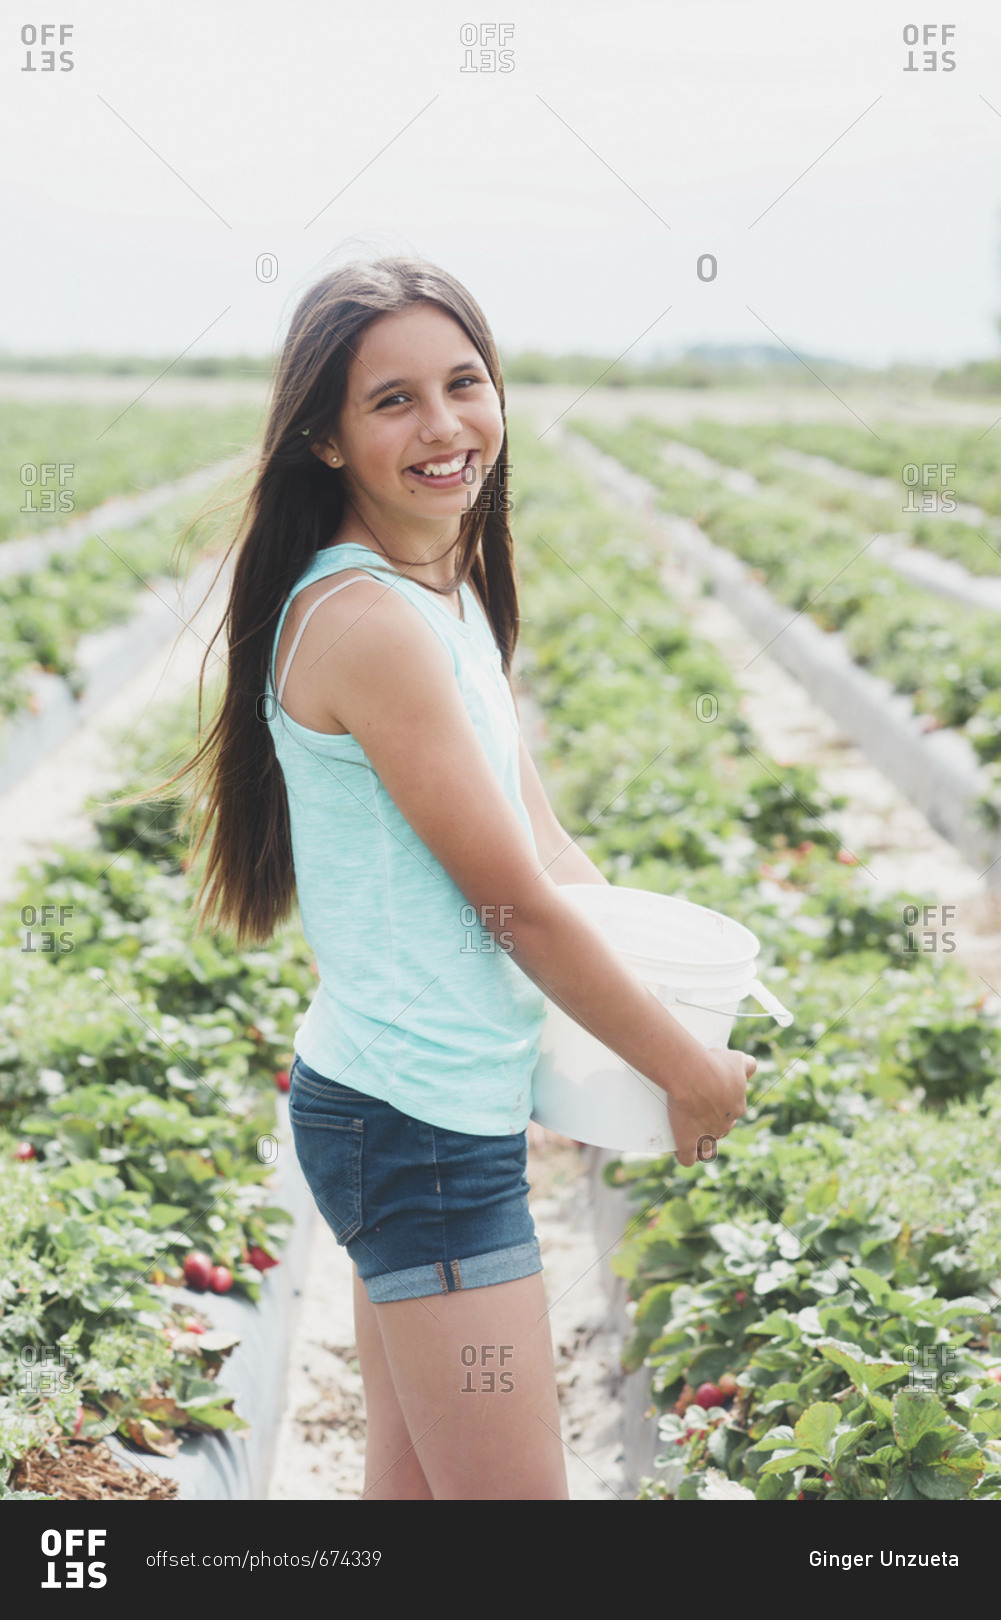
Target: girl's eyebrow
401, 382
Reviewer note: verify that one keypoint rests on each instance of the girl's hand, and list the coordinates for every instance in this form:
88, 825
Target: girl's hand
708, 1110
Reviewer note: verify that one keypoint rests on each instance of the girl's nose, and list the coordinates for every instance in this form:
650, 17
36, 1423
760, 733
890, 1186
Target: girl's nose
440, 423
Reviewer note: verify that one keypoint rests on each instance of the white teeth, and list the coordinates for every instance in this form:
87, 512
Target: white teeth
441, 469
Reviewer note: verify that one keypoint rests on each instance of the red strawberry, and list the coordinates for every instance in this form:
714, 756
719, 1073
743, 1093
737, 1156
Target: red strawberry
198, 1269
708, 1395
24, 1151
283, 1080
260, 1258
221, 1279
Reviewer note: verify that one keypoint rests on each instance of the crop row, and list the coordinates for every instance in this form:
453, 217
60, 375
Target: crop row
927, 478
67, 458
137, 1098
818, 1305
945, 657
44, 613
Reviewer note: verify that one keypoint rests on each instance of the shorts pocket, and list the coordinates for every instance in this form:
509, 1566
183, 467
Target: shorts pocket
330, 1152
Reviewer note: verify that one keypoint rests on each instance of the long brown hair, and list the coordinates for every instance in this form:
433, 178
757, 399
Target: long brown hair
295, 507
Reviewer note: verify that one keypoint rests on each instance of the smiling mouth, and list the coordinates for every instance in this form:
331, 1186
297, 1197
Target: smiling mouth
442, 469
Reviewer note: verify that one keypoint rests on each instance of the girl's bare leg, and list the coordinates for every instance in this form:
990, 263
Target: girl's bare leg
392, 1468
475, 1384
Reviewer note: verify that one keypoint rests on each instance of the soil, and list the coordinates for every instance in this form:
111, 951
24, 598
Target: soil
82, 1471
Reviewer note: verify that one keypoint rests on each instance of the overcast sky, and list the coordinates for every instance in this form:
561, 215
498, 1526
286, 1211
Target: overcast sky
853, 208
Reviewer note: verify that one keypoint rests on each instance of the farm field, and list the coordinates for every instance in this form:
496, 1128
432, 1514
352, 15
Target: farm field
944, 656
910, 493
66, 457
817, 1308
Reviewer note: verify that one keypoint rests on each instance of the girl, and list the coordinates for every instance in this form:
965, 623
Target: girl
367, 759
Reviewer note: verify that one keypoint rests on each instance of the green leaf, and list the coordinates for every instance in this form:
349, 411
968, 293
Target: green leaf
882, 1407
902, 1487
822, 1194
781, 1435
218, 1417
916, 1412
846, 1443
885, 1454
876, 1287
654, 1309
866, 1372
814, 1429
708, 1363
955, 1475
775, 1322
792, 1459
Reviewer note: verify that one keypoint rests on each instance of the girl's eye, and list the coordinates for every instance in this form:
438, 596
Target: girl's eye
392, 398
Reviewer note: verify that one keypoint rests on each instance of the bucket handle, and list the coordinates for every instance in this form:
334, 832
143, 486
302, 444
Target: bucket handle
762, 995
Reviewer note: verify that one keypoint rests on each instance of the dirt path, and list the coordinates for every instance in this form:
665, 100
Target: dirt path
45, 806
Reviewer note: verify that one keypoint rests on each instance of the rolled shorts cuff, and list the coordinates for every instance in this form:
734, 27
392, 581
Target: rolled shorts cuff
446, 1277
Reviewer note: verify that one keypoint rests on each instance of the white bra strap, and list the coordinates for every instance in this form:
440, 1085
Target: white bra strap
306, 618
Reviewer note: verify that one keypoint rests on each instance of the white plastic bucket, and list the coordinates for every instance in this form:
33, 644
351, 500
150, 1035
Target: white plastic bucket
698, 962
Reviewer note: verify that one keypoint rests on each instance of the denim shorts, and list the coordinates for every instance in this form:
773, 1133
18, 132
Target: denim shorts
419, 1209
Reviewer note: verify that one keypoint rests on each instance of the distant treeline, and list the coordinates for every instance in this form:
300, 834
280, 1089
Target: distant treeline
705, 366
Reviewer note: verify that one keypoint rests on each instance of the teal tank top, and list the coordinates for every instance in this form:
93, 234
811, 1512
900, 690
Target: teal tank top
417, 1003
